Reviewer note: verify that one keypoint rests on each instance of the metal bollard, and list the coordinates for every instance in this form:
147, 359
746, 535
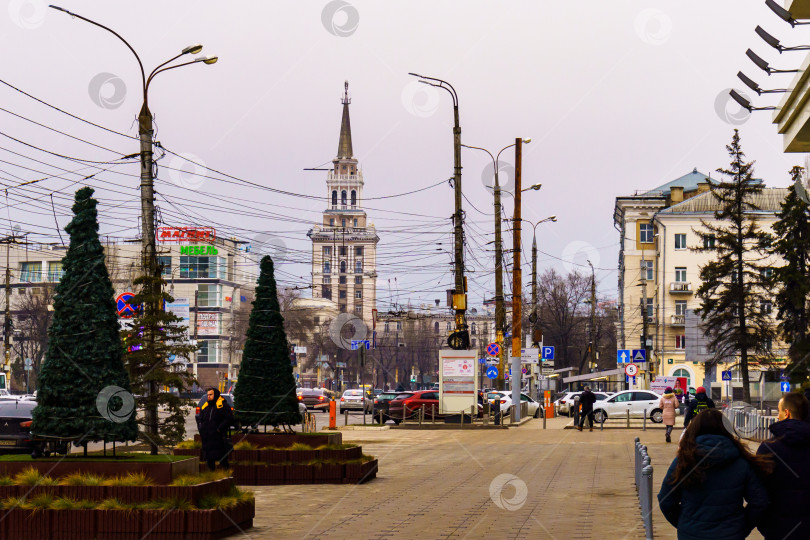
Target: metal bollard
381, 419
432, 413
646, 511
644, 422
421, 415
628, 418
602, 423
544, 421
404, 408
346, 417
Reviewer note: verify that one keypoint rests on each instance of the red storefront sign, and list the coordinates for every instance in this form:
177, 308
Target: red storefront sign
186, 234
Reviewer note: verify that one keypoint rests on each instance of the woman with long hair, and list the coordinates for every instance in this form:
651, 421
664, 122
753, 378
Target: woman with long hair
712, 475
668, 404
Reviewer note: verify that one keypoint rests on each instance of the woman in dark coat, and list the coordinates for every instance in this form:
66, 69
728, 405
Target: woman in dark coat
213, 422
703, 491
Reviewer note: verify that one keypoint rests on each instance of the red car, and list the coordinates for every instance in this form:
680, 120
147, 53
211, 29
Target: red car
421, 399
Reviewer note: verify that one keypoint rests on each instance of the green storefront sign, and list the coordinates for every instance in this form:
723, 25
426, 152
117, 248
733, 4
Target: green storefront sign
198, 250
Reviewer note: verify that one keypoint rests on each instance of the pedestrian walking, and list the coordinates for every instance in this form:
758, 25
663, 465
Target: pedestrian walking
668, 404
789, 484
213, 423
701, 403
586, 401
713, 474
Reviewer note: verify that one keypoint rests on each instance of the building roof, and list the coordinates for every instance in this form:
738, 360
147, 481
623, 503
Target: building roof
345, 143
688, 182
769, 200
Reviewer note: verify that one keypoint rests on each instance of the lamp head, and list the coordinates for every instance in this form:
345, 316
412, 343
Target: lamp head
536, 186
208, 59
527, 140
193, 49
553, 218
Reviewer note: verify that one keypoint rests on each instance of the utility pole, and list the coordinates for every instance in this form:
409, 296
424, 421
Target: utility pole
644, 312
592, 329
500, 312
517, 279
8, 324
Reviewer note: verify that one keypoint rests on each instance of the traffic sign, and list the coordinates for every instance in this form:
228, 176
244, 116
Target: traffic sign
623, 356
639, 355
548, 353
785, 386
726, 375
631, 370
492, 372
125, 308
493, 349
482, 360
357, 343
29, 364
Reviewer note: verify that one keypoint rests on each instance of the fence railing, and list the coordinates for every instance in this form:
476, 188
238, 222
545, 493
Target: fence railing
644, 485
749, 423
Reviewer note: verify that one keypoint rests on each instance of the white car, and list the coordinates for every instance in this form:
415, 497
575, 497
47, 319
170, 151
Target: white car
505, 400
565, 403
635, 401
352, 399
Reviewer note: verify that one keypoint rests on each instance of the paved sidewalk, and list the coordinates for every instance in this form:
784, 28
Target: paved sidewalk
436, 484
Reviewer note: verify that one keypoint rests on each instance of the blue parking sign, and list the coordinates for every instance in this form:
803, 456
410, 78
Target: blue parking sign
548, 353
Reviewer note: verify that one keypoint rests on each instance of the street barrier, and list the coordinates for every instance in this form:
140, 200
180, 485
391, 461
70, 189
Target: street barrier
643, 472
749, 424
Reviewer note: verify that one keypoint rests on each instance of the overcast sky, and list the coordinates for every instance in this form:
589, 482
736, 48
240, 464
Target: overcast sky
617, 96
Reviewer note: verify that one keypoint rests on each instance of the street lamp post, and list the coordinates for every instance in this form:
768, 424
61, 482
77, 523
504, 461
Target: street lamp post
460, 339
146, 134
533, 317
500, 312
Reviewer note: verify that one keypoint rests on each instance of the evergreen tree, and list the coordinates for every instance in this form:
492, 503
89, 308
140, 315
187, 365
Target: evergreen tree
153, 340
792, 284
734, 285
265, 390
84, 354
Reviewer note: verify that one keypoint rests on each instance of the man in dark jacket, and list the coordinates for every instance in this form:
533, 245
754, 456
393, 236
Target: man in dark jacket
586, 401
700, 403
789, 484
213, 423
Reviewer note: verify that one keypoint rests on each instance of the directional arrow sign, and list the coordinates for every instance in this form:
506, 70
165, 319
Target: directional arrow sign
492, 372
623, 356
785, 386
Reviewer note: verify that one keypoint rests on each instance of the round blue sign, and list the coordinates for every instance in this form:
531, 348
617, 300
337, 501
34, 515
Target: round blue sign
492, 372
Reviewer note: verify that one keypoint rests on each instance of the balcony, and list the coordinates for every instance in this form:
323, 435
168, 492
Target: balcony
680, 287
677, 320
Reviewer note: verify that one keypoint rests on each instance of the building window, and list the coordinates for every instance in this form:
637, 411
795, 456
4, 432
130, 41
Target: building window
472, 328
55, 271
354, 198
342, 250
708, 241
766, 273
355, 223
474, 342
327, 267
358, 309
485, 329
342, 308
358, 293
209, 351
449, 326
680, 307
164, 262
358, 280
327, 280
334, 199
649, 308
341, 295
680, 241
358, 267
317, 320
386, 327
645, 233
327, 251
343, 223
647, 270
31, 272
436, 327
343, 199
209, 295
342, 280
766, 307
680, 274
202, 267
358, 251
342, 267
331, 222
326, 292
399, 326
680, 342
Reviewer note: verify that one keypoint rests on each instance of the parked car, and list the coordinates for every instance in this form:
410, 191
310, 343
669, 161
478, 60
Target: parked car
312, 397
352, 400
565, 403
382, 402
635, 401
15, 426
504, 399
429, 399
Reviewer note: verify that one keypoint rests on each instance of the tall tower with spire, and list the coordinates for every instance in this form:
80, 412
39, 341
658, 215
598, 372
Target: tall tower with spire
344, 244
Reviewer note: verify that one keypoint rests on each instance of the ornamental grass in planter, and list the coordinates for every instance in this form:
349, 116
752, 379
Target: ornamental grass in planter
272, 455
340, 452
301, 453
245, 451
327, 472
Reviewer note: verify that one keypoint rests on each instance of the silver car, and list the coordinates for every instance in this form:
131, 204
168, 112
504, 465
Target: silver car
353, 400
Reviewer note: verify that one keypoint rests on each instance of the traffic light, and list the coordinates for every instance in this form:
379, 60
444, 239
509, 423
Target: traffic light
459, 341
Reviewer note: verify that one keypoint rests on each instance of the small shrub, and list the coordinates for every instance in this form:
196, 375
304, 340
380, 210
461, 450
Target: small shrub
189, 444
201, 478
6, 480
81, 479
12, 502
299, 447
130, 479
43, 501
114, 504
64, 503
31, 477
172, 503
245, 445
229, 500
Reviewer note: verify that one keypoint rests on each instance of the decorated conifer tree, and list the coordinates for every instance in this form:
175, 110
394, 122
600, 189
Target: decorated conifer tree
265, 389
84, 392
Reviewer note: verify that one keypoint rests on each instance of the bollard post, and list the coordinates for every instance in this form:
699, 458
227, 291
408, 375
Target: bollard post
644, 422
419, 415
462, 418
628, 418
404, 408
544, 421
432, 413
602, 423
381, 418
346, 417
647, 480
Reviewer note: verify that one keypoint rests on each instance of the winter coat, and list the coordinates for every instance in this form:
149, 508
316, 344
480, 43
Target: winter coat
713, 510
586, 400
668, 405
700, 402
789, 484
213, 423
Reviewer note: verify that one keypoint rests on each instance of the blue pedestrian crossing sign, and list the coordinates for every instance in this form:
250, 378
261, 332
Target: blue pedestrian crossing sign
639, 355
785, 385
492, 372
482, 360
623, 356
726, 375
548, 353
358, 343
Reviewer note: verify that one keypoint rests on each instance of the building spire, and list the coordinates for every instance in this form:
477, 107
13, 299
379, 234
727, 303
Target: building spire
345, 144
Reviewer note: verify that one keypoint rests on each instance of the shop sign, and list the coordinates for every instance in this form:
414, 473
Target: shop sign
198, 250
186, 234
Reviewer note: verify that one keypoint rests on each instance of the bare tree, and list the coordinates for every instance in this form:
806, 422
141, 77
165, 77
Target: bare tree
562, 314
31, 332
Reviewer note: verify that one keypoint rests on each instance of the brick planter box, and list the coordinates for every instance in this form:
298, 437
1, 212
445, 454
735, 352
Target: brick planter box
162, 524
328, 473
244, 455
72, 525
357, 473
285, 440
298, 474
342, 455
272, 456
162, 472
245, 475
187, 452
118, 524
302, 456
270, 475
25, 525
